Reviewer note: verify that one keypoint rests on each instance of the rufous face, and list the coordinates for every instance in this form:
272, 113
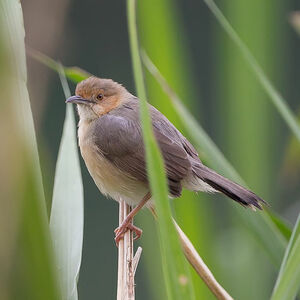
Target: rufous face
96, 97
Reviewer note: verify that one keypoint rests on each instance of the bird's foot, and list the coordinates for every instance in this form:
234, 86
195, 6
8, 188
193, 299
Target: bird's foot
121, 230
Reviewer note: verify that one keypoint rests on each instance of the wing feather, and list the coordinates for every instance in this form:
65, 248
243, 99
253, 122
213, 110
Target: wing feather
118, 136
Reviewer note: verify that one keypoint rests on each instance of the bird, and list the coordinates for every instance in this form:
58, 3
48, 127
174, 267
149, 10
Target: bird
111, 143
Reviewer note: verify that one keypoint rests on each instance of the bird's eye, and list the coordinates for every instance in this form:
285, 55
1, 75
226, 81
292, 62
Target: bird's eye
100, 96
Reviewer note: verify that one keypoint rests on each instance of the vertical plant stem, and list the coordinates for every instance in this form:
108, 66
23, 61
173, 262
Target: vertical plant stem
120, 289
127, 264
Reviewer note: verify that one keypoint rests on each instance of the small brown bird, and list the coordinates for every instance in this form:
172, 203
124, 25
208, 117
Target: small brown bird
111, 144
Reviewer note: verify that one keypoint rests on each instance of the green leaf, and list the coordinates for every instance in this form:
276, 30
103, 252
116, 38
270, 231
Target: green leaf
66, 220
288, 280
193, 211
76, 74
266, 84
269, 234
12, 22
175, 267
283, 226
28, 258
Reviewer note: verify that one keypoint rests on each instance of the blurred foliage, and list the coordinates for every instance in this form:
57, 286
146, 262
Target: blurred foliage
175, 266
164, 39
278, 101
207, 72
288, 281
26, 255
291, 163
247, 124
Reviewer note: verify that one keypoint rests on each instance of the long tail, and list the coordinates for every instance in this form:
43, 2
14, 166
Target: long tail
227, 187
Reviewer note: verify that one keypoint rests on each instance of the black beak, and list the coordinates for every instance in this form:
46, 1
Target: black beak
78, 100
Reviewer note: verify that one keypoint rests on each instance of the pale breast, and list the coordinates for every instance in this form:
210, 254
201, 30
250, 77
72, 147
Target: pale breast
110, 180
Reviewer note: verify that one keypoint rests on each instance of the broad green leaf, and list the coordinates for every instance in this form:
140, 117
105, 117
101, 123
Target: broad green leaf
266, 84
288, 280
29, 262
12, 26
175, 267
66, 220
260, 224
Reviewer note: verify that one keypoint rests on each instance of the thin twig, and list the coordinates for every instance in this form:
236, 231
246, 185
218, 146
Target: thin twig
127, 264
201, 268
136, 259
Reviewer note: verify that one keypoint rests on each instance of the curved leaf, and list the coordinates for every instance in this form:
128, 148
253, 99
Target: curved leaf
66, 220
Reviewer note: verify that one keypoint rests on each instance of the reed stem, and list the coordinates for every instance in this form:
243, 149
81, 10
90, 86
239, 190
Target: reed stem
200, 267
127, 263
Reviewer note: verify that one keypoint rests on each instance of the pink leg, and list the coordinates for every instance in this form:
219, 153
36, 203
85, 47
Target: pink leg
127, 223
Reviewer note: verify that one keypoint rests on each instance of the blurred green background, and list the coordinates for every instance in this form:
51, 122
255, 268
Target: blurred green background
207, 71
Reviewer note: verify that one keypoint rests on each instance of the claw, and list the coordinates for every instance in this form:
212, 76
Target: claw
127, 223
121, 230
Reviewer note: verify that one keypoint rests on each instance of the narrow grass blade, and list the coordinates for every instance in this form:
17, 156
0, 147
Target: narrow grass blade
174, 264
266, 84
291, 164
282, 225
209, 150
270, 234
75, 74
66, 220
288, 280
192, 210
295, 234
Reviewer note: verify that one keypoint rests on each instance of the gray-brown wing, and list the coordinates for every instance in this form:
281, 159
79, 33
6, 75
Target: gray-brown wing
119, 138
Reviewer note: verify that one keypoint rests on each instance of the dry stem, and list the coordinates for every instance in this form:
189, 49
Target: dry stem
127, 264
201, 268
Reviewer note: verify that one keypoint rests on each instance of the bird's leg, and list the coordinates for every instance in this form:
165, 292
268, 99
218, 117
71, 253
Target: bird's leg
127, 223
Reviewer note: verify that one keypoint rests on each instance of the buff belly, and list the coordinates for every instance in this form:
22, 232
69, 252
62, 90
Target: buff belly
111, 181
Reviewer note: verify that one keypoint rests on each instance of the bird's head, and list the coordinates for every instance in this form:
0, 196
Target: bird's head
96, 96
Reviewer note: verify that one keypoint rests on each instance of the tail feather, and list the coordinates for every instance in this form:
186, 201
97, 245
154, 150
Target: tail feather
227, 187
